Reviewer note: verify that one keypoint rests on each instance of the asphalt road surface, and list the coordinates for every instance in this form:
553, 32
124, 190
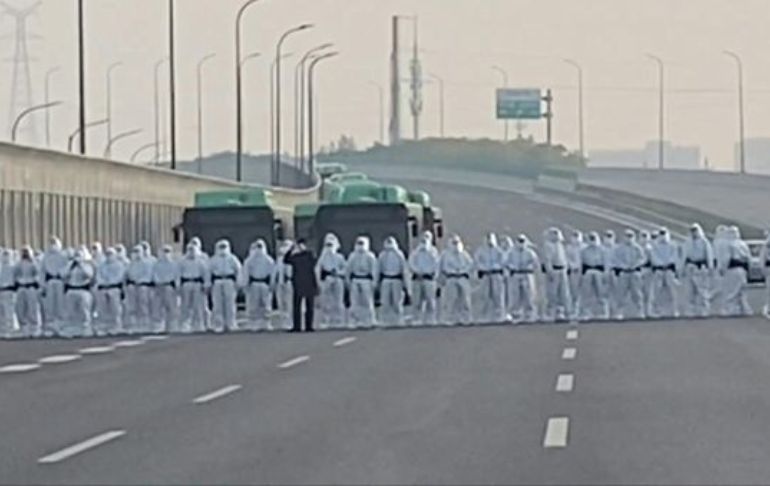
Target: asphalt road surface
610, 403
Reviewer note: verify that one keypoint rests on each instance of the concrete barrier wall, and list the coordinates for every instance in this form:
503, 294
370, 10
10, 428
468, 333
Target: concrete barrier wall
44, 193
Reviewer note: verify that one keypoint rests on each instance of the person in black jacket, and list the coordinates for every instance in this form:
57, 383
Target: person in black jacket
303, 262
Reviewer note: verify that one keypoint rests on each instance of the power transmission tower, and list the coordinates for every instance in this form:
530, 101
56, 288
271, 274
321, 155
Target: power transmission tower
21, 84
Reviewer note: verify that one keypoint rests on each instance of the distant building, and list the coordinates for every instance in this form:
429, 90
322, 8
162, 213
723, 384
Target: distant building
757, 155
675, 157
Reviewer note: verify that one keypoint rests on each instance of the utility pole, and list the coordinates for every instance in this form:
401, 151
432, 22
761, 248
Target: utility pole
395, 87
172, 81
82, 77
549, 116
416, 71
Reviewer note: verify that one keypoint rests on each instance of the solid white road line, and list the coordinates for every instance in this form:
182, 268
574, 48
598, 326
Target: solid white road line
565, 383
293, 362
20, 368
556, 432
97, 350
210, 397
60, 359
81, 447
128, 344
344, 341
569, 353
572, 335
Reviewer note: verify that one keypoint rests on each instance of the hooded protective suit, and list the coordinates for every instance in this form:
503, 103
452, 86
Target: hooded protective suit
393, 282
455, 268
362, 272
166, 281
522, 264
574, 248
78, 282
53, 264
225, 269
97, 253
195, 279
697, 269
9, 327
594, 299
721, 248
558, 298
765, 259
664, 259
283, 286
424, 265
645, 241
122, 254
735, 301
609, 242
136, 317
256, 279
27, 275
110, 277
330, 272
629, 258
490, 261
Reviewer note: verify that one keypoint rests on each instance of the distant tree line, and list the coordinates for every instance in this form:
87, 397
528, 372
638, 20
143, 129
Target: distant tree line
521, 157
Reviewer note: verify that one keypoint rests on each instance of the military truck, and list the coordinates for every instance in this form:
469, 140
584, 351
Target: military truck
241, 217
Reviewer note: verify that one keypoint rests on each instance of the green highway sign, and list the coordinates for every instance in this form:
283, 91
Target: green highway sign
519, 104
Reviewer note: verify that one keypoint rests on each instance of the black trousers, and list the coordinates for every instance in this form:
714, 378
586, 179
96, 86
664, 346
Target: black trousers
309, 301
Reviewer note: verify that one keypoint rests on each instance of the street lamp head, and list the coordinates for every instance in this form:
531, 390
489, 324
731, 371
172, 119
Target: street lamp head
305, 26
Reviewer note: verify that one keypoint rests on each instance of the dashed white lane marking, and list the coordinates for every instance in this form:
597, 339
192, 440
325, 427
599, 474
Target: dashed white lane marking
60, 359
20, 368
565, 383
556, 432
344, 341
97, 350
154, 338
572, 335
128, 344
569, 353
222, 392
81, 447
293, 362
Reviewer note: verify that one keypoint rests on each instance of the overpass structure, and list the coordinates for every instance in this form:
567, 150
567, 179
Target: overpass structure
80, 199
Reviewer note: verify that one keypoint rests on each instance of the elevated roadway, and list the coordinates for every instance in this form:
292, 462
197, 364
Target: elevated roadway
606, 403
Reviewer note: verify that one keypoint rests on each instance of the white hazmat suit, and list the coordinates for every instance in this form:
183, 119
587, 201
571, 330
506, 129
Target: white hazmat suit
283, 286
78, 283
9, 327
330, 272
166, 282
225, 269
362, 272
424, 265
53, 265
629, 258
735, 301
27, 276
697, 269
256, 279
664, 259
574, 249
490, 262
558, 299
110, 278
765, 261
594, 298
522, 264
194, 280
393, 282
455, 267
137, 315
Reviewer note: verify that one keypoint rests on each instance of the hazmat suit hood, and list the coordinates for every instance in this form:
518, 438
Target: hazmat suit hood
576, 238
696, 232
506, 243
110, 255
644, 237
223, 248
146, 249
27, 253
390, 244
6, 257
260, 247
554, 235
594, 239
167, 253
54, 245
191, 251
331, 241
491, 240
609, 238
456, 244
521, 241
733, 233
362, 244
137, 253
664, 236
630, 236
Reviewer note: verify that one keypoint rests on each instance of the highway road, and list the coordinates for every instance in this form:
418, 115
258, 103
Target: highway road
605, 403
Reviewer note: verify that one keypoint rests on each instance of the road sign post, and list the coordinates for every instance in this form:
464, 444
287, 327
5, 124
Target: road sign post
526, 104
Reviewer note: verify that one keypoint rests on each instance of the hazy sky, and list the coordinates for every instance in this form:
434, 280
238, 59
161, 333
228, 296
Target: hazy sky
461, 38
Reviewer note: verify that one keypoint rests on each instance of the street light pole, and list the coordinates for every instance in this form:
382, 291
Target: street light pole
199, 71
47, 83
661, 110
80, 132
26, 112
118, 137
310, 76
381, 93
581, 135
275, 178
239, 91
440, 82
156, 104
172, 80
504, 75
741, 124
82, 76
299, 102
110, 70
